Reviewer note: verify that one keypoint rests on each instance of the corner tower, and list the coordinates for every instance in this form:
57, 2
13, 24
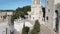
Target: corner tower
57, 8
49, 15
36, 10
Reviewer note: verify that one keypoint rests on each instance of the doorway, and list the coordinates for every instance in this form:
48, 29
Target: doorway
57, 22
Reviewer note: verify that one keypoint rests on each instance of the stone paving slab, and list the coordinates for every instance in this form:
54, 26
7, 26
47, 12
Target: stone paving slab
46, 30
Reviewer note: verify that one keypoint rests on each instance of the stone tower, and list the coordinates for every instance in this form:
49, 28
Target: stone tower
57, 8
36, 10
50, 17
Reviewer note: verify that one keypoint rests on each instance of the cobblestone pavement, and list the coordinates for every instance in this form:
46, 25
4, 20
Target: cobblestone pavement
46, 30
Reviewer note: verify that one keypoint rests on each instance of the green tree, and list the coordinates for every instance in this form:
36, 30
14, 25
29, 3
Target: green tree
26, 9
20, 12
36, 28
25, 30
19, 9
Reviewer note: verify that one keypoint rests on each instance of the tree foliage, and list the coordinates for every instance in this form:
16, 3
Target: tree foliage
25, 30
36, 28
20, 12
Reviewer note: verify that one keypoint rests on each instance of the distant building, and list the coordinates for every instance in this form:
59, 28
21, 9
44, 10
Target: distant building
4, 14
52, 17
5, 22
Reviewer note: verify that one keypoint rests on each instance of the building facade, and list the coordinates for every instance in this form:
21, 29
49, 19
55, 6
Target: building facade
4, 14
36, 10
52, 17
5, 22
49, 15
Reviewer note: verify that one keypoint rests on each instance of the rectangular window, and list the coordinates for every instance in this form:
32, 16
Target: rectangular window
47, 2
48, 10
47, 18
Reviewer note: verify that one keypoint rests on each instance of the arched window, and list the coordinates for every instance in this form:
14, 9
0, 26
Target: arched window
47, 2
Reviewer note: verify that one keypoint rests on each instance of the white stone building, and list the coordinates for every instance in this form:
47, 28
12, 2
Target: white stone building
4, 14
35, 14
18, 25
5, 22
57, 8
49, 15
6, 27
52, 17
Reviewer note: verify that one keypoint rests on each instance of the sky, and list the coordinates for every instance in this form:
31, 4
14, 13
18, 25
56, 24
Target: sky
13, 4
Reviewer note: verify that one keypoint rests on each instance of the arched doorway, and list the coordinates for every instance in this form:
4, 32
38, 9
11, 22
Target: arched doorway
57, 23
57, 7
